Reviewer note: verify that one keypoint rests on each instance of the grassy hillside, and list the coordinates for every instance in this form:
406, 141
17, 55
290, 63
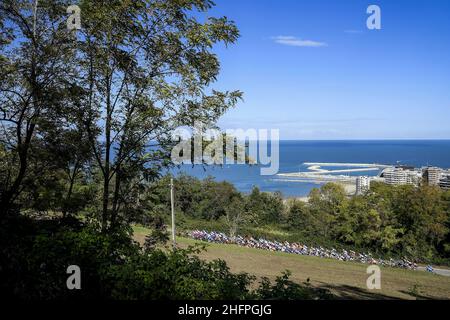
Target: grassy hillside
276, 232
346, 279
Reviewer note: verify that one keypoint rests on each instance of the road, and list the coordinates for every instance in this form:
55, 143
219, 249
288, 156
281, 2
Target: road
442, 272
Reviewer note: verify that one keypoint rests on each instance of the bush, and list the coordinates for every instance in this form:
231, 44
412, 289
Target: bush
35, 256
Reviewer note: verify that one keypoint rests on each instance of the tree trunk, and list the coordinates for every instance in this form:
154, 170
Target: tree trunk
70, 191
115, 209
106, 173
106, 177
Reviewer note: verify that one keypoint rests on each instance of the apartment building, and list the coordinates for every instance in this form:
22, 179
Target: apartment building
402, 176
432, 175
444, 182
362, 184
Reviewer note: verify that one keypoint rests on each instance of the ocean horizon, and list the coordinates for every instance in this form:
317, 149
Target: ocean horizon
293, 154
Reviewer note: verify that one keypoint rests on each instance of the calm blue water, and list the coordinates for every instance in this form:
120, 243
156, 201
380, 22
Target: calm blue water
294, 153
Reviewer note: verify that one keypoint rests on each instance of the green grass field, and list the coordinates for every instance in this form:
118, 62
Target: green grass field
345, 279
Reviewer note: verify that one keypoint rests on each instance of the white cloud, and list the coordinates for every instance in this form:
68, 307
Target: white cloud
296, 42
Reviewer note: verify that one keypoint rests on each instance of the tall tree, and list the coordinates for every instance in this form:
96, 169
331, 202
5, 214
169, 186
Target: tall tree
147, 67
35, 55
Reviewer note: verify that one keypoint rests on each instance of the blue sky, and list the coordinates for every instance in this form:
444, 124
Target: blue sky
313, 70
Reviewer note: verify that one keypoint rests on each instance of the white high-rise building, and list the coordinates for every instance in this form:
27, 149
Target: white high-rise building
394, 176
432, 175
401, 176
362, 184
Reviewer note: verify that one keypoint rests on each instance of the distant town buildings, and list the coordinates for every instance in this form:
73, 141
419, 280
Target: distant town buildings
402, 176
407, 175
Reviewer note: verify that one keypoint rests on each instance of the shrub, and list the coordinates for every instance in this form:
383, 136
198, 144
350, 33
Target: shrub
35, 256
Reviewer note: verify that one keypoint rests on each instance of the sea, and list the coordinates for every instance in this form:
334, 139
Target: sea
294, 154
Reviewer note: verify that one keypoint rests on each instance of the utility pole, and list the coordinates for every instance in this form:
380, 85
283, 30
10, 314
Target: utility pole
172, 204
